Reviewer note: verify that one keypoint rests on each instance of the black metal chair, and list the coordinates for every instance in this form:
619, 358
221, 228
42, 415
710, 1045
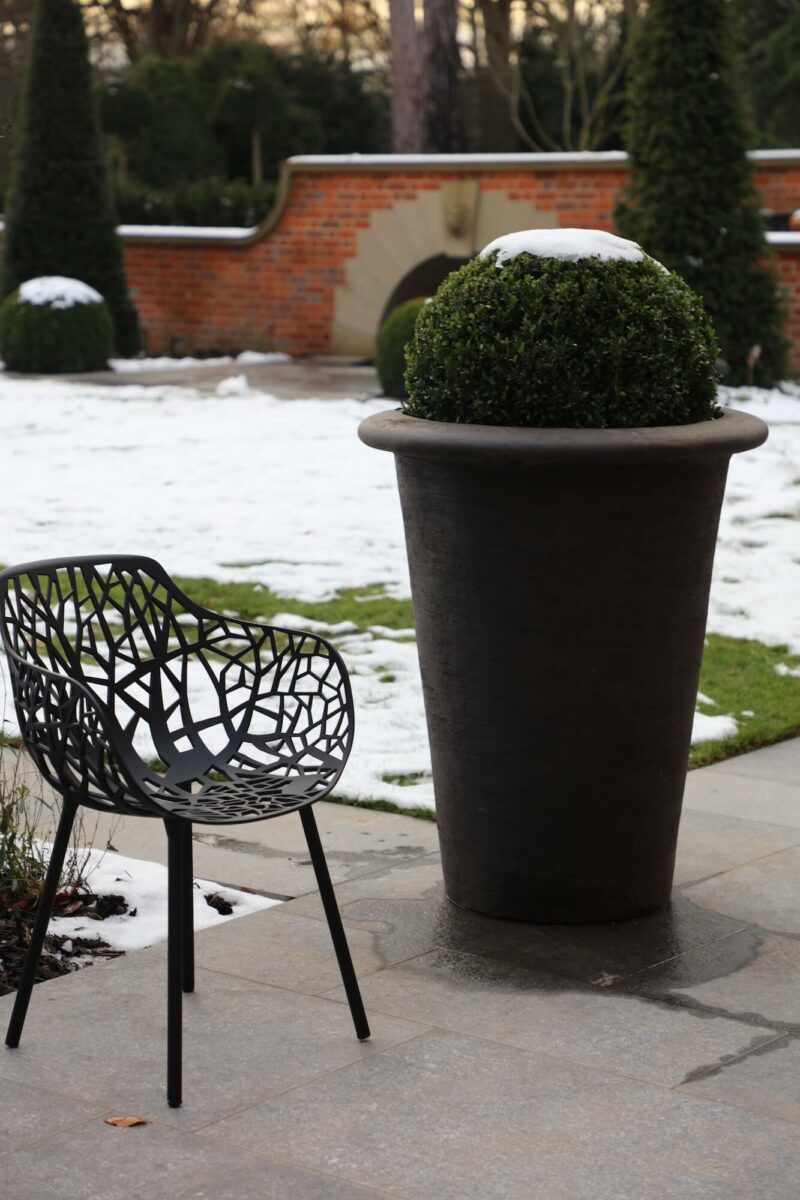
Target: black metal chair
102, 650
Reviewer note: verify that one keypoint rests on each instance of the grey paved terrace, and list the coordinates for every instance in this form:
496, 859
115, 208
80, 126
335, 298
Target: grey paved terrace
317, 376
654, 1059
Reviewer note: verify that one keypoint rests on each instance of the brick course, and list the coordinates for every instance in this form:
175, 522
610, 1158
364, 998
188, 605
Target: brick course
277, 289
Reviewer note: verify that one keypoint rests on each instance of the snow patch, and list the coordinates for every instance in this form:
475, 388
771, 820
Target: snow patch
782, 669
284, 494
144, 886
164, 363
567, 244
58, 291
710, 729
234, 385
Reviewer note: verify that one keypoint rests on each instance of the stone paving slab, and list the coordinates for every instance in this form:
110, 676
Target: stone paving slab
752, 976
152, 1162
460, 1118
99, 1035
654, 1059
780, 762
618, 1032
766, 1082
290, 951
320, 378
710, 843
588, 953
775, 801
765, 892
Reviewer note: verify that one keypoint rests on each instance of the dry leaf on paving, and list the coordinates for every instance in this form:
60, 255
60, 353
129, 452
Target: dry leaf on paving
125, 1122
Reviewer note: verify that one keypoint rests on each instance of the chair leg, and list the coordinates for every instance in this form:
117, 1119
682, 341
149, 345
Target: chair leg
175, 904
187, 908
335, 923
44, 910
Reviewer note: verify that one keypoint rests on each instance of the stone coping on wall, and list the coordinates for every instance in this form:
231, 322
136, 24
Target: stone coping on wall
785, 240
302, 163
591, 159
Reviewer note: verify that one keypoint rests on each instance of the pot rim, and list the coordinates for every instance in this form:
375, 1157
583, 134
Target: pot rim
414, 437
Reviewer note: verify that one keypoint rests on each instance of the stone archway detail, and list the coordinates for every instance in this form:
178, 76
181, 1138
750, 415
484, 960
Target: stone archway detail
455, 219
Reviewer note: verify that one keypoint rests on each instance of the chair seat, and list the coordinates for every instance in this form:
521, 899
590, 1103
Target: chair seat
244, 799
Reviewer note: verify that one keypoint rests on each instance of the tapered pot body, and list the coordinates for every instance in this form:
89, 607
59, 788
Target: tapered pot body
560, 582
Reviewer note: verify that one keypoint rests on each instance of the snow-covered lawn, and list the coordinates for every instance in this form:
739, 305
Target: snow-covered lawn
144, 887
240, 485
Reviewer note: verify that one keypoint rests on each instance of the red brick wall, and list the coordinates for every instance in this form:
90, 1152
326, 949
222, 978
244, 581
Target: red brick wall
277, 289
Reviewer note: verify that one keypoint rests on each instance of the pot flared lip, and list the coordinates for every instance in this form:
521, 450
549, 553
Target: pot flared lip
413, 437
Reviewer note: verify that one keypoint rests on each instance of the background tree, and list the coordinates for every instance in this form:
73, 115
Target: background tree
567, 90
408, 127
164, 28
768, 35
59, 219
175, 143
124, 110
691, 202
442, 71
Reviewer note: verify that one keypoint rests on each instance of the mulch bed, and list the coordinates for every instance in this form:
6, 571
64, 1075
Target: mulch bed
61, 953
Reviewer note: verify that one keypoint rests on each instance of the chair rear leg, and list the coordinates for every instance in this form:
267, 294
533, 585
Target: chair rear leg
43, 913
335, 923
175, 905
187, 908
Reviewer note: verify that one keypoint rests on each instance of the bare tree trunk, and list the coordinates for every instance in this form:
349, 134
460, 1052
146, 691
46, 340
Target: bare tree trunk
442, 63
407, 96
256, 157
497, 32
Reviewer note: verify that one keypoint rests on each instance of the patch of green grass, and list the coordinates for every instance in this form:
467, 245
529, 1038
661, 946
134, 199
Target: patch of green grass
740, 675
422, 814
737, 674
363, 606
407, 779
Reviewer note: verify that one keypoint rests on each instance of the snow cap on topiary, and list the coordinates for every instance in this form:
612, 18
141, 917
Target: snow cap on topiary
58, 291
569, 244
569, 328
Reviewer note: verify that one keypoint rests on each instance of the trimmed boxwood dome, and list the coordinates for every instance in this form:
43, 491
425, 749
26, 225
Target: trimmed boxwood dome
55, 324
568, 328
390, 346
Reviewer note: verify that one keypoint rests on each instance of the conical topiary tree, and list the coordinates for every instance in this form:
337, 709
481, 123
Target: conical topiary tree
691, 202
59, 219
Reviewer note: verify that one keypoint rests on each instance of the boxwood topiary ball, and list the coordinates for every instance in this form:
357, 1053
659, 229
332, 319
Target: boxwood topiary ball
55, 324
390, 348
568, 328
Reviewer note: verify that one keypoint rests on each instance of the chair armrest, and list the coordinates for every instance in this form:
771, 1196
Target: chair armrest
74, 740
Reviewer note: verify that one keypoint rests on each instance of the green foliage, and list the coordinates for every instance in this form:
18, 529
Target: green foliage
768, 37
58, 216
390, 348
124, 109
176, 144
46, 340
548, 342
287, 104
691, 202
204, 202
21, 867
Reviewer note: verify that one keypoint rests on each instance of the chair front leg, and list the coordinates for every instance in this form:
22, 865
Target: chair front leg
43, 912
335, 923
175, 906
187, 907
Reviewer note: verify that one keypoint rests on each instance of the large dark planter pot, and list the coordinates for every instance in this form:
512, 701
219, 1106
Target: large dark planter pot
560, 582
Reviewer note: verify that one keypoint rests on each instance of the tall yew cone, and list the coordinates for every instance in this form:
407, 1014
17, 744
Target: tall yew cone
691, 201
59, 219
